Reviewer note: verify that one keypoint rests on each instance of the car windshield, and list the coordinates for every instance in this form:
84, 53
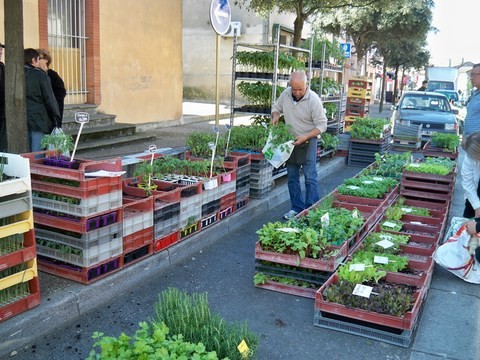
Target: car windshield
451, 95
425, 102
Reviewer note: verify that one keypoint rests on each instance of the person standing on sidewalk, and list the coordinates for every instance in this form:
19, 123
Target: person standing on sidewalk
303, 111
424, 86
58, 85
472, 119
42, 107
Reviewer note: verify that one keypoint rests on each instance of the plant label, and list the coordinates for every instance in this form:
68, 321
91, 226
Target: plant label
415, 165
355, 214
243, 348
152, 149
407, 210
357, 267
377, 178
389, 224
82, 117
353, 187
416, 223
325, 219
215, 129
386, 244
367, 182
380, 259
362, 290
228, 127
289, 230
385, 237
211, 145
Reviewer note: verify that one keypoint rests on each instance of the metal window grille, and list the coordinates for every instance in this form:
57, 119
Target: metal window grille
66, 43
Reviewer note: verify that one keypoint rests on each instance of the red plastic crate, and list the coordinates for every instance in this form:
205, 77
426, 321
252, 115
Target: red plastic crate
406, 322
232, 161
84, 275
357, 83
288, 289
227, 201
356, 112
253, 155
79, 224
85, 189
389, 198
38, 167
434, 151
24, 304
357, 101
328, 264
166, 241
137, 240
20, 256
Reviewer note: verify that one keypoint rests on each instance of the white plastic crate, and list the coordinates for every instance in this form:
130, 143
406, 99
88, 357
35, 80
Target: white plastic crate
15, 204
86, 207
190, 207
104, 246
136, 222
19, 168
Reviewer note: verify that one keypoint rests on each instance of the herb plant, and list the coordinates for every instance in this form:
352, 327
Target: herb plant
446, 141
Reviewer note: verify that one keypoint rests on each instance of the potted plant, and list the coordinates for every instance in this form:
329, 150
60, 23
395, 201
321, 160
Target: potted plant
59, 145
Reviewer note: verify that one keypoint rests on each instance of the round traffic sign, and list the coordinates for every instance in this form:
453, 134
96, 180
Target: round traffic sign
220, 16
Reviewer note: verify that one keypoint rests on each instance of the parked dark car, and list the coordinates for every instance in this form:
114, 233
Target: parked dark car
432, 110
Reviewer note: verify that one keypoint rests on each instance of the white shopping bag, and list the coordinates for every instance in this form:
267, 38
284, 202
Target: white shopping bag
58, 131
456, 254
277, 155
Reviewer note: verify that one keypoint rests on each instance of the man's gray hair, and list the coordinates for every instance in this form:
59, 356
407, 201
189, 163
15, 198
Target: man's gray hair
299, 75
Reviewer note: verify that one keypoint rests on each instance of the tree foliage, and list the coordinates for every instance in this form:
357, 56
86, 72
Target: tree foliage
303, 9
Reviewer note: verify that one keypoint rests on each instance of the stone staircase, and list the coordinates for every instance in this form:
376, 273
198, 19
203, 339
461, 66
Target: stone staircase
101, 131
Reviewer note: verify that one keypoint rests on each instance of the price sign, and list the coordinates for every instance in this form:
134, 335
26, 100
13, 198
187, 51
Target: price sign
289, 230
325, 219
380, 259
362, 290
385, 244
407, 210
357, 267
82, 117
389, 224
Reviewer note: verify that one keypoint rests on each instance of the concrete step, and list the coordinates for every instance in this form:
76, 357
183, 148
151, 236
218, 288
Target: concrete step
95, 121
103, 132
101, 143
69, 110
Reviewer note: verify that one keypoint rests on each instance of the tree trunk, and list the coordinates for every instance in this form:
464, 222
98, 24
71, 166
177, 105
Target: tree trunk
297, 31
15, 103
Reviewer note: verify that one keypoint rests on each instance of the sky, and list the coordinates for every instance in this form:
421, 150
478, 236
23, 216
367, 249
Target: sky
457, 23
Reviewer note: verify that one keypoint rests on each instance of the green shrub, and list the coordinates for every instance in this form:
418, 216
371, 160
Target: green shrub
190, 316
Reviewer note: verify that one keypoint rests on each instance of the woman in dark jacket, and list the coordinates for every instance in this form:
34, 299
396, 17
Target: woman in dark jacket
58, 86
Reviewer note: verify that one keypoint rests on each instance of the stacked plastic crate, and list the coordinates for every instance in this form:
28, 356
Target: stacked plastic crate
242, 167
78, 218
137, 229
358, 100
261, 177
19, 286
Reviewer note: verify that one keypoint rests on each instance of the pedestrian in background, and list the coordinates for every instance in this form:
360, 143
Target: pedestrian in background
58, 86
424, 86
303, 111
42, 107
3, 120
472, 119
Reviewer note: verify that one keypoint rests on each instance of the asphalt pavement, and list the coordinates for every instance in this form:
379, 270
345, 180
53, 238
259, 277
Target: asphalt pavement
220, 261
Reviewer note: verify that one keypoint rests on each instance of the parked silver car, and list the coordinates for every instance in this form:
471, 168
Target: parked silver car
432, 110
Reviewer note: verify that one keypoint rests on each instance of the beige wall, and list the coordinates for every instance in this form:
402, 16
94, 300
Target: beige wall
30, 23
141, 60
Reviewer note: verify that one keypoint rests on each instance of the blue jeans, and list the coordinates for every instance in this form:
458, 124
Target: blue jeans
35, 139
312, 188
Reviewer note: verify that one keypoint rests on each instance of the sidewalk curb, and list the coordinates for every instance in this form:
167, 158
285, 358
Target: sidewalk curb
66, 305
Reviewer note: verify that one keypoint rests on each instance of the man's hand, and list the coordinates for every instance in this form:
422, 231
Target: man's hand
471, 226
274, 118
300, 140
477, 213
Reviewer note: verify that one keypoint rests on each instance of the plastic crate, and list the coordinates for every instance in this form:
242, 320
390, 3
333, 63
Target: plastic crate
84, 275
137, 239
241, 203
165, 241
137, 215
102, 245
21, 276
17, 169
86, 207
16, 252
78, 224
77, 189
22, 304
243, 171
209, 220
357, 101
20, 223
190, 208
189, 230
406, 322
137, 255
166, 218
358, 83
359, 93
38, 167
261, 193
15, 204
